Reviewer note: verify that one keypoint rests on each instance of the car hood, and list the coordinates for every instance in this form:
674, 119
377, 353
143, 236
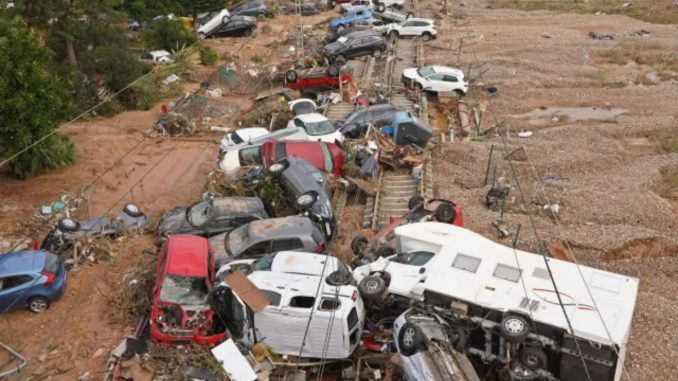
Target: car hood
333, 47
410, 73
174, 222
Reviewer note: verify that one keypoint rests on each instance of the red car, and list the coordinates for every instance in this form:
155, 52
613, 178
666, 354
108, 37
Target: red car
181, 312
327, 157
317, 78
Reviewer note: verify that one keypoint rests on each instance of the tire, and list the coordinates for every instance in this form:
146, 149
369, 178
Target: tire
224, 20
393, 34
38, 304
385, 251
426, 36
415, 202
291, 76
333, 71
533, 358
249, 32
381, 7
278, 168
418, 86
339, 278
67, 224
376, 53
445, 213
410, 339
514, 328
372, 287
201, 36
340, 29
359, 244
340, 60
132, 210
306, 200
458, 94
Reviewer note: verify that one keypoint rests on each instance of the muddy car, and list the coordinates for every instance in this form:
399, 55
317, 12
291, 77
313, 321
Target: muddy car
181, 313
212, 216
67, 230
258, 238
421, 210
307, 191
356, 123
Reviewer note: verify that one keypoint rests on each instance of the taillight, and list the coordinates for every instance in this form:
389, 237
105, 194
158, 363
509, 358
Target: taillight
50, 277
320, 248
354, 296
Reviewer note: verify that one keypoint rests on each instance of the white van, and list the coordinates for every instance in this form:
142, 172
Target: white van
507, 305
290, 282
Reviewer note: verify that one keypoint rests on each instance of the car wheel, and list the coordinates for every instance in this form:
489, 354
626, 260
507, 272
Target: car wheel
376, 53
393, 34
306, 200
333, 71
277, 169
381, 7
224, 20
132, 210
458, 94
445, 213
426, 36
533, 357
201, 35
67, 224
410, 339
249, 32
418, 86
291, 76
514, 328
372, 287
340, 28
415, 202
340, 60
359, 244
38, 304
385, 251
339, 278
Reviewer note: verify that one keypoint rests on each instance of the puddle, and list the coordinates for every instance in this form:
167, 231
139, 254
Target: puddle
548, 115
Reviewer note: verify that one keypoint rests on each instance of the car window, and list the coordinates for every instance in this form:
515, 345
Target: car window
273, 296
506, 272
287, 244
200, 213
146, 56
258, 249
356, 117
317, 236
11, 282
425, 71
414, 258
420, 23
436, 77
466, 262
327, 304
249, 156
184, 290
352, 318
408, 23
327, 156
320, 128
302, 302
264, 263
450, 78
51, 264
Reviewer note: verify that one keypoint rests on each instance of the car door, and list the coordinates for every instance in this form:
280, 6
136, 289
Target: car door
450, 82
407, 28
407, 269
419, 27
434, 82
14, 291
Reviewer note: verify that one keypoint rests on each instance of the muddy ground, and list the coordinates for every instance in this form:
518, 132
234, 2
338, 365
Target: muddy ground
615, 184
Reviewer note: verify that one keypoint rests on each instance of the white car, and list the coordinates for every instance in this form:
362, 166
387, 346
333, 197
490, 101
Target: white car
317, 127
436, 79
404, 270
157, 56
376, 25
355, 3
413, 27
213, 21
241, 136
381, 5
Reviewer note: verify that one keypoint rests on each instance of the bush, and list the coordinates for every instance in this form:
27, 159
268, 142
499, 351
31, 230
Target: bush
208, 56
168, 35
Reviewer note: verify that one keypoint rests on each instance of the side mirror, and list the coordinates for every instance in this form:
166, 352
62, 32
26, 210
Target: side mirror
422, 270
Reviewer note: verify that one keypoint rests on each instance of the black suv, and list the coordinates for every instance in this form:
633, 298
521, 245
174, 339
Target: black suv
307, 190
212, 216
355, 44
356, 123
236, 26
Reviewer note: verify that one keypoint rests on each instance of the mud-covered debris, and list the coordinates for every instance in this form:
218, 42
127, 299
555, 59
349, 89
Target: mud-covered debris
174, 124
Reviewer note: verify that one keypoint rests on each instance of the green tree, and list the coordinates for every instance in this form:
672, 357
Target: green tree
144, 10
168, 34
33, 103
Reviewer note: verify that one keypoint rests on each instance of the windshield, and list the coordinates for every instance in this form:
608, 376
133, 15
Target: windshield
200, 213
353, 118
237, 239
182, 290
425, 71
264, 263
319, 128
236, 138
342, 39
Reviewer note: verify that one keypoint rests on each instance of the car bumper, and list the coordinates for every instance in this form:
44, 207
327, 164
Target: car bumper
163, 338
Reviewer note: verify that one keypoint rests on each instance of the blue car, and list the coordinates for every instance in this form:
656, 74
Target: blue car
30, 279
350, 18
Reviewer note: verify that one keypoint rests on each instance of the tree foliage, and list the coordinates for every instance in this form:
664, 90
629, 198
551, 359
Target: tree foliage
168, 35
33, 103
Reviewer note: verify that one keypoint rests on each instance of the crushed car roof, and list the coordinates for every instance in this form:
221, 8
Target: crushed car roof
279, 227
232, 205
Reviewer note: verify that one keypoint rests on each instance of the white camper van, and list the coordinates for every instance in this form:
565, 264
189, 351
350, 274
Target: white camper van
506, 303
290, 280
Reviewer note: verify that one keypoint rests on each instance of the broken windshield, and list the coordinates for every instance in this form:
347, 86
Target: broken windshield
319, 128
185, 291
425, 71
237, 239
199, 213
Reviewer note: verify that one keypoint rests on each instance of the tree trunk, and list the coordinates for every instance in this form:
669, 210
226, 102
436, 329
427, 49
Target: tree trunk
195, 20
70, 53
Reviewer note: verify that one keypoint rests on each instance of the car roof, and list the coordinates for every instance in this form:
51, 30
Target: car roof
301, 176
22, 261
237, 205
362, 33
356, 8
159, 53
419, 19
298, 262
446, 70
291, 226
313, 117
187, 255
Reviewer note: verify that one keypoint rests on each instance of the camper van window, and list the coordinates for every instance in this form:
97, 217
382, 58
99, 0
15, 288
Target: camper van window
507, 273
415, 258
352, 318
606, 282
541, 273
354, 337
273, 296
329, 304
302, 301
466, 262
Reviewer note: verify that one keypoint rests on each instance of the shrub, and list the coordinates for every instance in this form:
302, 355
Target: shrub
208, 56
168, 35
